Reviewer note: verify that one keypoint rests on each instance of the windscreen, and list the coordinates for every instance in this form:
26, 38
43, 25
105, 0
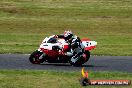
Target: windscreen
52, 40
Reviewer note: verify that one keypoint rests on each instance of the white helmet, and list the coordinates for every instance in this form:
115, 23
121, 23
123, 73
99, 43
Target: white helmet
67, 33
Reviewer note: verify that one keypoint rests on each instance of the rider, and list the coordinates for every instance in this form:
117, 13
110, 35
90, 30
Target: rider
76, 47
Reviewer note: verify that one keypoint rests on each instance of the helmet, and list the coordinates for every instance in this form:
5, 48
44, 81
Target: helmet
68, 35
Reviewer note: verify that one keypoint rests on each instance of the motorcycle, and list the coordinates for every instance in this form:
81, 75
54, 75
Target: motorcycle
52, 50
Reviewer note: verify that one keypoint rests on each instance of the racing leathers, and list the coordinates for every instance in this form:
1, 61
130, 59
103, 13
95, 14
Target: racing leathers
76, 48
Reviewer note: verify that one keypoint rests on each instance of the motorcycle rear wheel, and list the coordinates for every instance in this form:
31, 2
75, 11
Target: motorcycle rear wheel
78, 63
81, 60
87, 56
35, 57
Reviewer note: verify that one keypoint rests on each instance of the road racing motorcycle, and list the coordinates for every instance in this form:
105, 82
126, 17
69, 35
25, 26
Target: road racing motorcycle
52, 50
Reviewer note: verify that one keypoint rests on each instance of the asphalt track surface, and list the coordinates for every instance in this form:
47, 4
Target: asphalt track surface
96, 63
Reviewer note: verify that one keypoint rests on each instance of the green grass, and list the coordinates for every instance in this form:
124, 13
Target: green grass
24, 23
54, 79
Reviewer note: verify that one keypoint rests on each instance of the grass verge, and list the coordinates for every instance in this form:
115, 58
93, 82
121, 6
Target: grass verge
24, 23
54, 79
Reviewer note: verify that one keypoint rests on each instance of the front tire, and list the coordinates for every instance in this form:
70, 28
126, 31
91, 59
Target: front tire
35, 57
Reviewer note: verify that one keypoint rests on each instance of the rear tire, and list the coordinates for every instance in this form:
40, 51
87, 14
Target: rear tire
78, 63
81, 60
34, 57
87, 56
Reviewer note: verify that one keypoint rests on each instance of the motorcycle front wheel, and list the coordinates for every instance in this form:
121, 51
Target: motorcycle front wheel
36, 57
